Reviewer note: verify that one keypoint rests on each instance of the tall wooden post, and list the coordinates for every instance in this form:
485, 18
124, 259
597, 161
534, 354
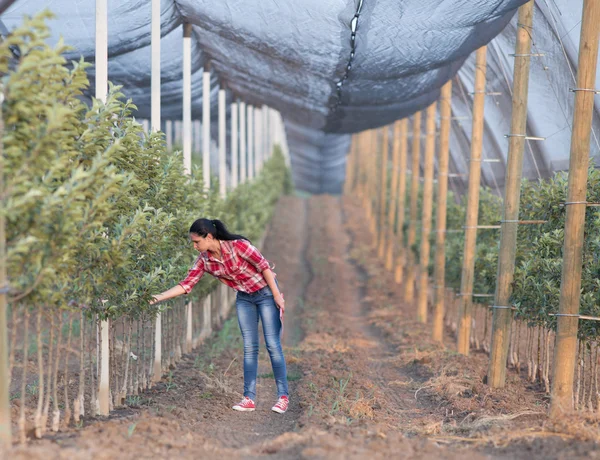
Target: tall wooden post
381, 227
101, 64
442, 203
502, 313
234, 145
409, 286
243, 144
373, 194
5, 425
468, 268
389, 250
426, 213
399, 272
566, 333
350, 160
250, 141
258, 139
222, 142
206, 126
187, 97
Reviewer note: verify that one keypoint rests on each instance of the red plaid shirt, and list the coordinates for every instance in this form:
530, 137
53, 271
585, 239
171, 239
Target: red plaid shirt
241, 267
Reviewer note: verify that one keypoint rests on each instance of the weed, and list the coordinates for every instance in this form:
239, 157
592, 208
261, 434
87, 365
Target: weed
270, 375
294, 376
312, 387
131, 429
32, 388
133, 400
206, 395
170, 384
79, 424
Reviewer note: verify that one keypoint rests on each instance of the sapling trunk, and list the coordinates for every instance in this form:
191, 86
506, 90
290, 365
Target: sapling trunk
49, 375
125, 379
136, 383
591, 370
547, 363
56, 411
113, 363
538, 367
40, 406
13, 342
22, 433
66, 373
78, 404
93, 368
578, 387
143, 356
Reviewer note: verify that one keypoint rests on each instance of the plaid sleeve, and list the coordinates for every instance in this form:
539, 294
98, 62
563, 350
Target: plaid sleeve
193, 275
249, 253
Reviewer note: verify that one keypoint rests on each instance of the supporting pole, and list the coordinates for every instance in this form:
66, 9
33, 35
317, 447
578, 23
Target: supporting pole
155, 122
155, 76
234, 145
442, 204
206, 126
566, 333
502, 317
381, 227
373, 179
426, 214
468, 268
258, 139
243, 143
389, 249
187, 98
169, 134
399, 272
250, 129
350, 162
409, 287
222, 143
5, 425
101, 64
187, 146
197, 136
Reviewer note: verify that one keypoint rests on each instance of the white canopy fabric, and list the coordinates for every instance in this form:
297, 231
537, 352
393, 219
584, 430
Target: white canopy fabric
298, 56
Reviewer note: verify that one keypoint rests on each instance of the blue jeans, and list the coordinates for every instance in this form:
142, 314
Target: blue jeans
249, 308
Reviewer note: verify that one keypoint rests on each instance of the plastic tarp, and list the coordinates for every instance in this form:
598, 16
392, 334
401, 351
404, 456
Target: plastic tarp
300, 57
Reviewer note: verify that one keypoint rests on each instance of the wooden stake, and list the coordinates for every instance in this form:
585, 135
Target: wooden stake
5, 426
409, 286
502, 317
426, 213
442, 202
468, 268
566, 333
399, 272
381, 227
392, 213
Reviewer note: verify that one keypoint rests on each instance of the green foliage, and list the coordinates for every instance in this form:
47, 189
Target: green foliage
539, 254
97, 210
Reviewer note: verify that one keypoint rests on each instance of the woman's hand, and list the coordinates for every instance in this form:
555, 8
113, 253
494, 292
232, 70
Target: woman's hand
279, 302
155, 299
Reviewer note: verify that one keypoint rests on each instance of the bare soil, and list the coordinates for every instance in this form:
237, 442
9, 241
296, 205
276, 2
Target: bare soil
366, 381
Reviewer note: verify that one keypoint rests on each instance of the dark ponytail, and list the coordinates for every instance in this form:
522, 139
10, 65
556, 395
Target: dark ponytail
216, 228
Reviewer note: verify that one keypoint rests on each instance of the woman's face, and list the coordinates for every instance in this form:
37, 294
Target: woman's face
201, 243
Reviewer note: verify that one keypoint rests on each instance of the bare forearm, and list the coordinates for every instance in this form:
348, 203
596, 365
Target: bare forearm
175, 291
270, 279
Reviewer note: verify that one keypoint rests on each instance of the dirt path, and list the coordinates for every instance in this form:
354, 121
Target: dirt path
365, 380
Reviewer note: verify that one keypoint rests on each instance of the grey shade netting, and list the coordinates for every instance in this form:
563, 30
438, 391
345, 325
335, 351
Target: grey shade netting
293, 55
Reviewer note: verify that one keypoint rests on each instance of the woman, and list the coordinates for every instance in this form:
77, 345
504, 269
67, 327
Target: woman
238, 264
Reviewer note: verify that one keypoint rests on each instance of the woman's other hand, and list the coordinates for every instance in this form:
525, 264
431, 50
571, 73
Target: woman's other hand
279, 301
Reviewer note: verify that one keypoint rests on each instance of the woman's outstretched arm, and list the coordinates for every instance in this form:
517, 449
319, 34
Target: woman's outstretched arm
175, 291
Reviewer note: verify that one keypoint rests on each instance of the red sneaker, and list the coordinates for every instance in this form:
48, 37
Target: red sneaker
282, 405
245, 405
